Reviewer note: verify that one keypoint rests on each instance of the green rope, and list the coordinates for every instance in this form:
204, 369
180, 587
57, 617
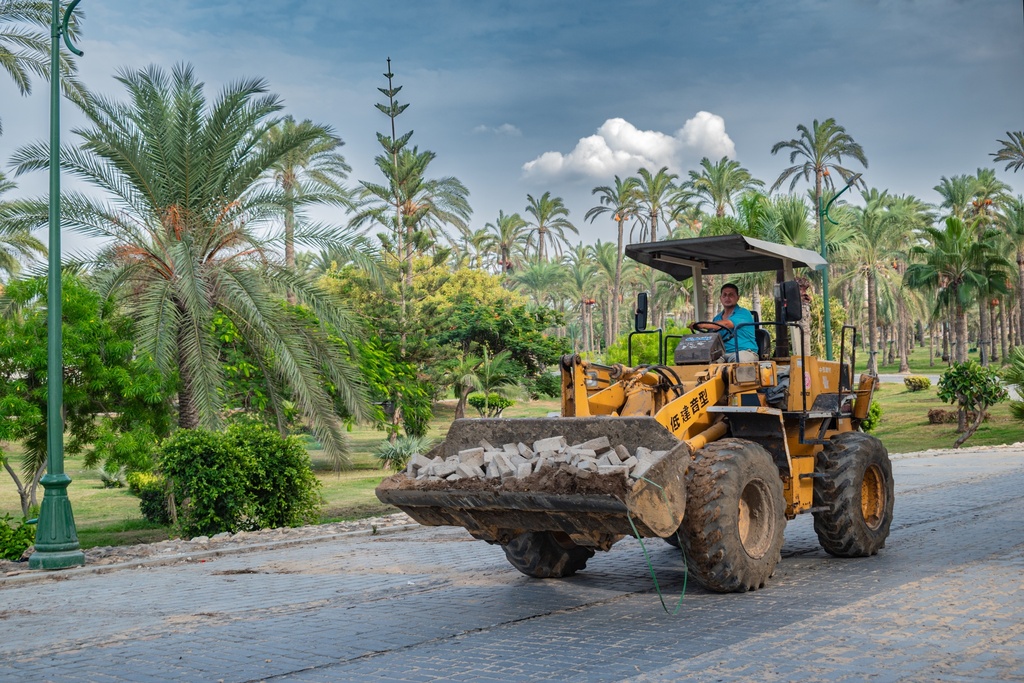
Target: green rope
650, 565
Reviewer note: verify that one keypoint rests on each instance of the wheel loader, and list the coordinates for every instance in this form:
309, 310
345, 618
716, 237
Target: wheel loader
711, 455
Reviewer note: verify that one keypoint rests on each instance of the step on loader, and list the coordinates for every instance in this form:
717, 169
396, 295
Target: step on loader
716, 455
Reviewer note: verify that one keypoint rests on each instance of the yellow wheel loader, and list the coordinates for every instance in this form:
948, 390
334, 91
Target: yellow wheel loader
716, 454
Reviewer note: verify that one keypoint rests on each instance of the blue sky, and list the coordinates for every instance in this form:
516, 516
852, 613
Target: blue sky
524, 97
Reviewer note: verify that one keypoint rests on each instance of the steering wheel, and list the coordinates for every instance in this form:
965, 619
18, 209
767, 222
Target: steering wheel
729, 334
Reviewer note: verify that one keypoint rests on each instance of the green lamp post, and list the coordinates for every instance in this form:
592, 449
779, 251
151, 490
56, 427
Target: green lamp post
56, 538
822, 216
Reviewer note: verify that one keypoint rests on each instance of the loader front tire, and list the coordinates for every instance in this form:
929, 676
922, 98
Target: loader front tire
854, 491
543, 555
735, 516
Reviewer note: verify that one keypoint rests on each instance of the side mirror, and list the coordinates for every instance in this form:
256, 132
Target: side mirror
640, 320
789, 296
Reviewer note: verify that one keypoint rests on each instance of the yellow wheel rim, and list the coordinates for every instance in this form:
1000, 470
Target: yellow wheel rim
872, 497
756, 521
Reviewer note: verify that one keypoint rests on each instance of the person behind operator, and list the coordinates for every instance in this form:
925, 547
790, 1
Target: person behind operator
727, 321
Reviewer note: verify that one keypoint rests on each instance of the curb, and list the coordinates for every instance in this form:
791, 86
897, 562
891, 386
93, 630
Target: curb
23, 576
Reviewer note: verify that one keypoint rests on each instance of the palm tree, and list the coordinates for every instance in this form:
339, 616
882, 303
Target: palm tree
183, 175
956, 263
582, 282
25, 47
1012, 151
508, 238
822, 147
550, 221
486, 373
311, 174
988, 194
16, 244
876, 243
716, 184
541, 281
620, 201
652, 196
653, 193
957, 193
1013, 226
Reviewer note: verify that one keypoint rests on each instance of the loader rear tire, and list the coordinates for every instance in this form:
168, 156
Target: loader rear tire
855, 488
735, 516
542, 555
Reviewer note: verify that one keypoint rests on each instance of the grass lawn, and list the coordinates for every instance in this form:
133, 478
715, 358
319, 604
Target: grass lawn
111, 516
918, 361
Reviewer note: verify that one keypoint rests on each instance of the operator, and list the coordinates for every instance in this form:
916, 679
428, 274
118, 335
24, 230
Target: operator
726, 322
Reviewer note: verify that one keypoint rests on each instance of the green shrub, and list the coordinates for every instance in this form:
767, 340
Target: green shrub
490, 405
151, 490
282, 489
873, 418
395, 456
547, 384
15, 540
916, 383
207, 475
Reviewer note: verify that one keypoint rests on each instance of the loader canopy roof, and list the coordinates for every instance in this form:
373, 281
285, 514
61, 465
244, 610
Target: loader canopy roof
721, 255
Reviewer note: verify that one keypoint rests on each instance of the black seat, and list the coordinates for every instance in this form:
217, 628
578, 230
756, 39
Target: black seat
764, 343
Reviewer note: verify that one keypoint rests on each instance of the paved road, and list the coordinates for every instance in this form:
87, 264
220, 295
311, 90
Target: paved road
941, 603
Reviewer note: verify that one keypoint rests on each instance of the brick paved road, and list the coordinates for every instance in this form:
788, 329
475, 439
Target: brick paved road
943, 602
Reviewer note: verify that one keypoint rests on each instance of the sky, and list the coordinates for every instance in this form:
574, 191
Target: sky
525, 97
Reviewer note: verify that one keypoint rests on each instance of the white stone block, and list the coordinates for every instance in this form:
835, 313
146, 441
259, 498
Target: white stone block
598, 445
524, 470
554, 443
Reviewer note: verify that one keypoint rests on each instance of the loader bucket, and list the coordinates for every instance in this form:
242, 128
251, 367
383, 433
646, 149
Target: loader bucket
593, 510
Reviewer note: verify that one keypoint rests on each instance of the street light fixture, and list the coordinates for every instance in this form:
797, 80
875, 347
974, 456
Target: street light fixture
822, 216
56, 538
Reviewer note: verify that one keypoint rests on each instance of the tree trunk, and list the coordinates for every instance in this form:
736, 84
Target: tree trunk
961, 334
968, 431
872, 324
460, 407
984, 336
616, 290
188, 411
906, 337
931, 344
289, 234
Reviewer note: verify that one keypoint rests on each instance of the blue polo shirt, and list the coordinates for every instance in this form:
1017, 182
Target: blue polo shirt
747, 340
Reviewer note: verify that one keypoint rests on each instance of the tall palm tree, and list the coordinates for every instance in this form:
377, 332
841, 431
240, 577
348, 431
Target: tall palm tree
653, 195
653, 191
1013, 226
717, 183
1012, 151
508, 238
876, 243
581, 284
956, 263
17, 244
620, 201
822, 148
183, 176
550, 222
312, 174
25, 47
989, 193
542, 281
957, 194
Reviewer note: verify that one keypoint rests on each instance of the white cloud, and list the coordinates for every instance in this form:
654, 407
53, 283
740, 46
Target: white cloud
621, 148
504, 129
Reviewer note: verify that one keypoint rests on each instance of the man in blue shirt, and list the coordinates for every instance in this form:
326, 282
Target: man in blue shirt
730, 318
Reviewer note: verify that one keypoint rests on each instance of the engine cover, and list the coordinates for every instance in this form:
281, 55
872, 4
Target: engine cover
700, 348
